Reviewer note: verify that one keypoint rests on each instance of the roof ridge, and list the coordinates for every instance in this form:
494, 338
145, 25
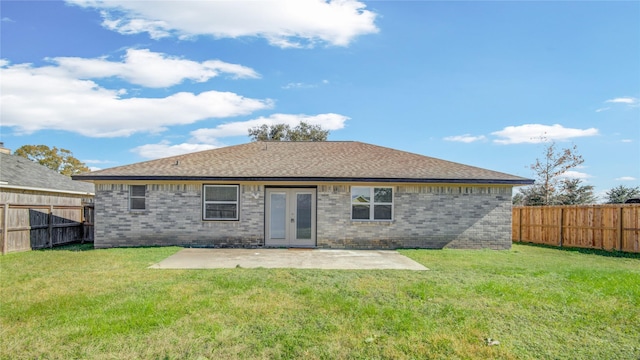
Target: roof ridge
303, 141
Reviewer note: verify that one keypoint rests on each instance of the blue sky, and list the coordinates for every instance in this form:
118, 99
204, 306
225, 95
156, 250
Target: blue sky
479, 83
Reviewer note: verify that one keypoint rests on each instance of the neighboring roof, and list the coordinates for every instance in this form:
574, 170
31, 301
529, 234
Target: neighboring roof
305, 161
19, 173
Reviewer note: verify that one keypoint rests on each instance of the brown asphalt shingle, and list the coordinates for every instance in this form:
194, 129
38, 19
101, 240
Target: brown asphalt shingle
331, 161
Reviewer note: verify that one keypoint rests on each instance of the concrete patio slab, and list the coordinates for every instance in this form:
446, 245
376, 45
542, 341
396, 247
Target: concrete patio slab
288, 258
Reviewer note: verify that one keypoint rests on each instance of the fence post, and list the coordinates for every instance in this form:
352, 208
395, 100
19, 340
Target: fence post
520, 224
620, 228
560, 226
5, 230
82, 219
50, 226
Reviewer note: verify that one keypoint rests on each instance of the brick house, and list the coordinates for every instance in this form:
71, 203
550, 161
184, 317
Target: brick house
303, 194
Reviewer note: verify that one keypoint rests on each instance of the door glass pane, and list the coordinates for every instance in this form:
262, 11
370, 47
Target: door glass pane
303, 216
278, 211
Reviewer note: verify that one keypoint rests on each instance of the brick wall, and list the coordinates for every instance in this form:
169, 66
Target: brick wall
424, 217
174, 217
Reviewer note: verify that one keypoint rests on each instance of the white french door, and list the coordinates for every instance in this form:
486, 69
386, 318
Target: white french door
290, 217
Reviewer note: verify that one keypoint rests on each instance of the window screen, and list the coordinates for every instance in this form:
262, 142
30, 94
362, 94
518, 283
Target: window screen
220, 202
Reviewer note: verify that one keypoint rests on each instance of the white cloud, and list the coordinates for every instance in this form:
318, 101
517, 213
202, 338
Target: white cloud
626, 178
629, 101
627, 140
466, 138
299, 85
283, 23
570, 174
130, 26
7, 19
165, 149
536, 133
90, 161
624, 100
150, 69
49, 98
94, 168
208, 138
241, 128
602, 109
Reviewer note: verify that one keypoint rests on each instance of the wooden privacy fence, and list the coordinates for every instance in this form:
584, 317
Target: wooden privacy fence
607, 227
27, 227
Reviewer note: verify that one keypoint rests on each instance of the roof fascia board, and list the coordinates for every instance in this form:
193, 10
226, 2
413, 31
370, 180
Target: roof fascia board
308, 179
29, 188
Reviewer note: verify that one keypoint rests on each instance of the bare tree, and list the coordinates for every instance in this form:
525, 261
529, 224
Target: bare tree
549, 171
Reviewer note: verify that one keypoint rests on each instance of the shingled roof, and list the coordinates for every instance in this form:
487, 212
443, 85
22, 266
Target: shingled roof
19, 173
305, 161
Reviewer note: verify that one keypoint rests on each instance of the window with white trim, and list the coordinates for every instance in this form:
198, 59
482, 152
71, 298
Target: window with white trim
371, 203
220, 202
137, 197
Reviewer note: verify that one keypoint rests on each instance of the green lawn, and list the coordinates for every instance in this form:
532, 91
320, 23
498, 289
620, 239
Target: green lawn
538, 303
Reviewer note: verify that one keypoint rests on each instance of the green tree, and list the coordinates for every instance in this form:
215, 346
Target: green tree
518, 199
574, 193
549, 171
59, 160
620, 194
530, 196
283, 132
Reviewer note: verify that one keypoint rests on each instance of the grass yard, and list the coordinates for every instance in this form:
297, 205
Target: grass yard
538, 303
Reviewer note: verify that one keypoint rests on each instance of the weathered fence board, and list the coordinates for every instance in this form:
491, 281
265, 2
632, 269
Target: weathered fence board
27, 227
87, 224
607, 227
631, 229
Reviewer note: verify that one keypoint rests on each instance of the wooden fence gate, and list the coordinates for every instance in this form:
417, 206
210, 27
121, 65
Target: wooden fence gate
27, 227
606, 227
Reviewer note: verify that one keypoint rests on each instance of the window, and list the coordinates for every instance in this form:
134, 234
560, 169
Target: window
137, 195
220, 202
371, 203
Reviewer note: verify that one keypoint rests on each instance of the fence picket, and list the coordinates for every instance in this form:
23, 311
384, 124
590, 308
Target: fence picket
26, 227
607, 227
